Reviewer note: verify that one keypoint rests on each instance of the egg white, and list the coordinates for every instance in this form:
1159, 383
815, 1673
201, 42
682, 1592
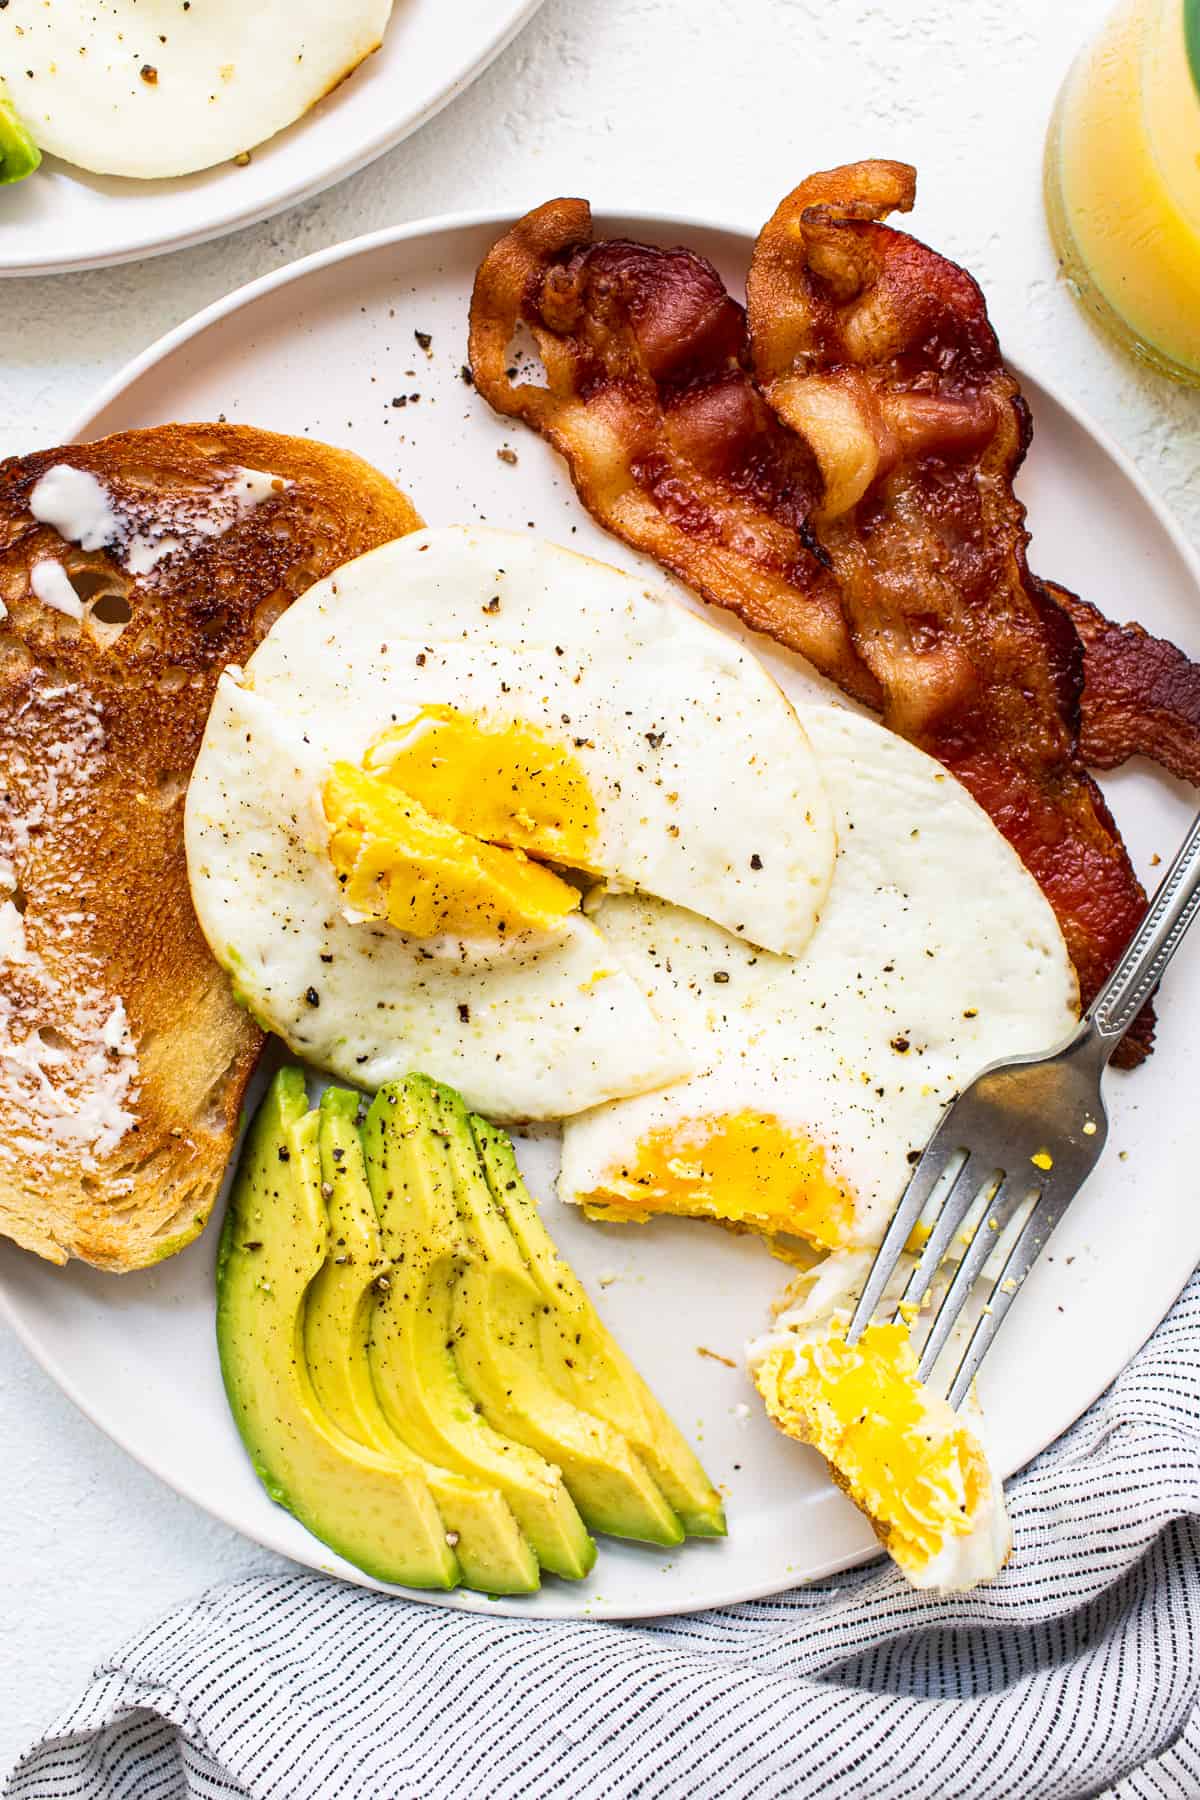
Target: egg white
936, 954
150, 88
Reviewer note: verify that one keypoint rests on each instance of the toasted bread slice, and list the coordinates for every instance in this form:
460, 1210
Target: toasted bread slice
159, 557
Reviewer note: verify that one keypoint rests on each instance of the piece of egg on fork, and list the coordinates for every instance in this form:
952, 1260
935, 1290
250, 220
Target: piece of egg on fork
917, 1469
823, 1075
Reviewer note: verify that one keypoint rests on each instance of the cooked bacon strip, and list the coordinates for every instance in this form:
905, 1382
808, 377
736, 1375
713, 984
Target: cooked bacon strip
879, 353
650, 401
1141, 695
874, 531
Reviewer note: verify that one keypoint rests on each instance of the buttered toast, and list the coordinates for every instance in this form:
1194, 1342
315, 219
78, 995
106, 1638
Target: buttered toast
132, 570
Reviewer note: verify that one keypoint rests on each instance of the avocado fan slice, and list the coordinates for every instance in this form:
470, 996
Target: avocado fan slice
497, 1346
373, 1511
19, 155
582, 1358
493, 1556
411, 1353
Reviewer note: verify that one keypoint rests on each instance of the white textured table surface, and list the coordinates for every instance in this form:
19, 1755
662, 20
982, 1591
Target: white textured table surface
715, 109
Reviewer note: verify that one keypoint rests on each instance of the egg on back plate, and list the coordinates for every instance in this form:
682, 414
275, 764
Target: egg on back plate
154, 88
402, 800
823, 1075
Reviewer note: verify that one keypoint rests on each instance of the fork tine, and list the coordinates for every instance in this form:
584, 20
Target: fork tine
924, 1179
1045, 1216
968, 1186
1008, 1198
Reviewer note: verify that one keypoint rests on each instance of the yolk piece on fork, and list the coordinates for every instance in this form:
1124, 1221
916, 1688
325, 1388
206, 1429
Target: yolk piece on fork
899, 1451
747, 1169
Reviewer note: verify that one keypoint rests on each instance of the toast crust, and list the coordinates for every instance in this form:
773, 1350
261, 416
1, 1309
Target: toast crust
123, 1054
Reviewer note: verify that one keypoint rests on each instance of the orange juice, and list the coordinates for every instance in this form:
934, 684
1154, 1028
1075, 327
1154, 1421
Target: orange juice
1123, 181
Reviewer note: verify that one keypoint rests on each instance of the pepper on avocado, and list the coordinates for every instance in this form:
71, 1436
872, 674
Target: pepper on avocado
386, 1320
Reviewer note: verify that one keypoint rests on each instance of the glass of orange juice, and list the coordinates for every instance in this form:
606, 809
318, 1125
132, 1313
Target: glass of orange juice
1123, 181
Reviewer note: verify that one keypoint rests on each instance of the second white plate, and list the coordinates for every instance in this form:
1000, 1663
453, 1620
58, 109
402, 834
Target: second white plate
329, 347
65, 218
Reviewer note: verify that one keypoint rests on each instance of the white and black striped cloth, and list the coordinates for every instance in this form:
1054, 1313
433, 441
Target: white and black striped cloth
1076, 1673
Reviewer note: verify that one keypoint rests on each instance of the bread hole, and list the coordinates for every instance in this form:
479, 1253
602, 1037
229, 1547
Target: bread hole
215, 625
214, 1116
112, 609
108, 608
299, 580
173, 679
169, 788
53, 1039
88, 582
268, 610
16, 897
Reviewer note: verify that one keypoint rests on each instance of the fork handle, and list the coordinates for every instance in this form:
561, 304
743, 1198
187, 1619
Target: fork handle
1145, 957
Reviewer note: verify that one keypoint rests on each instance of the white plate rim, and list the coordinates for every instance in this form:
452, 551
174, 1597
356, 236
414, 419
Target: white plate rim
515, 14
445, 224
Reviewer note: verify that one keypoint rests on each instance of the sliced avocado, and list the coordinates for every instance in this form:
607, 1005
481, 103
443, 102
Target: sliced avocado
584, 1361
497, 1345
371, 1510
492, 1554
414, 1371
19, 155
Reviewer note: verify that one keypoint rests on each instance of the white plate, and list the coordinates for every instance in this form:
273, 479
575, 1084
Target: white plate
324, 347
64, 218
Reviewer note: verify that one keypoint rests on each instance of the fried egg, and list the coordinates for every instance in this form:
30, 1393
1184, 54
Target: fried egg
823, 1075
916, 1468
431, 757
550, 703
154, 88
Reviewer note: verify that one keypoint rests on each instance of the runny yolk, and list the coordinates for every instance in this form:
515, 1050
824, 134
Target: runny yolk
396, 860
898, 1450
508, 784
746, 1168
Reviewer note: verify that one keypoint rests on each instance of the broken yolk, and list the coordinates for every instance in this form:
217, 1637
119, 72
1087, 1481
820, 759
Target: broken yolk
507, 784
748, 1169
902, 1455
396, 860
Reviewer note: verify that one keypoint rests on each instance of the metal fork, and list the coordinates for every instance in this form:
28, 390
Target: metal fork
1024, 1135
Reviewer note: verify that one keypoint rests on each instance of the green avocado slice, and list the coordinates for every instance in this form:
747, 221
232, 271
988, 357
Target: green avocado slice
375, 1512
492, 1554
412, 1364
19, 155
584, 1361
497, 1345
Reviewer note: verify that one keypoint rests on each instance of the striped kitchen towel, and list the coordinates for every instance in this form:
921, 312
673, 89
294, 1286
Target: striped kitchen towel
1076, 1673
